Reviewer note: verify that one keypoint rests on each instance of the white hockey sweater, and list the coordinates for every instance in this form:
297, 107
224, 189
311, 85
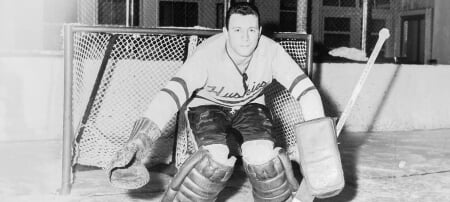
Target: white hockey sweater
212, 75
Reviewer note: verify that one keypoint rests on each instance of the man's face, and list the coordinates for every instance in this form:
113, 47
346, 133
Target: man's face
243, 34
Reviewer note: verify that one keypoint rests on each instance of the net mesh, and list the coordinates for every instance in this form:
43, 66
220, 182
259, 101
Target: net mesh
286, 111
139, 65
105, 105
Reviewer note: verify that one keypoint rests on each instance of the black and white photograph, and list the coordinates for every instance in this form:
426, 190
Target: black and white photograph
224, 100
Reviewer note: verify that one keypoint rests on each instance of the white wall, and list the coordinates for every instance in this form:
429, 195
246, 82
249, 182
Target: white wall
31, 66
394, 97
406, 97
31, 90
30, 25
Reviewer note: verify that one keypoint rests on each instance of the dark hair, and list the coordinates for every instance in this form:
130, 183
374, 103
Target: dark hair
243, 8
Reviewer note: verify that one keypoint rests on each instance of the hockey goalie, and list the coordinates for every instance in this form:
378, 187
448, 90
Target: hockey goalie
221, 85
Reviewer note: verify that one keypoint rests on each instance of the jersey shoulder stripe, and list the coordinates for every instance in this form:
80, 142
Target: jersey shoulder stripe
173, 95
305, 91
183, 84
296, 81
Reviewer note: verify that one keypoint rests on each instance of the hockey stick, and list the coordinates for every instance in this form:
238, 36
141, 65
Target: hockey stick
303, 194
382, 36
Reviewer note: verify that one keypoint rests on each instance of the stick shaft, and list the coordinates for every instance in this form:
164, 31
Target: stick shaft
362, 79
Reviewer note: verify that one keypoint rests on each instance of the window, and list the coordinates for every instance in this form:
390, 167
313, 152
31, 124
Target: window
288, 15
381, 4
219, 15
375, 25
288, 21
348, 3
330, 2
113, 12
336, 40
336, 32
288, 5
337, 24
377, 4
183, 14
339, 3
413, 39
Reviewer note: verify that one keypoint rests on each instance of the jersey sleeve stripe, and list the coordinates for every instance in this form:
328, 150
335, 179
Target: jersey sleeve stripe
305, 91
173, 95
183, 84
296, 81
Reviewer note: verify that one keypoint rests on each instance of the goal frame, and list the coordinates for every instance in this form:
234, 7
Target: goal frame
70, 29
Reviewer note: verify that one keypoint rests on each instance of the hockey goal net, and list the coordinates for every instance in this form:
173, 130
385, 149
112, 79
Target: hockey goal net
112, 73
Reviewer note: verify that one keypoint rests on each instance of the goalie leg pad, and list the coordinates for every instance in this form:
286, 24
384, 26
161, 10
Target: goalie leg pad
320, 161
199, 179
273, 180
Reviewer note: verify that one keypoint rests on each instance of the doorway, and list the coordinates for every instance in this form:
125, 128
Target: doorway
413, 39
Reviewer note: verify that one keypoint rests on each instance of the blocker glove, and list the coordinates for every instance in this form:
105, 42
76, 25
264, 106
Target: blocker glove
126, 169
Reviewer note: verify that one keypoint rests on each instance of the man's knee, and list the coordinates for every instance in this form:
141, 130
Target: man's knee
258, 151
218, 152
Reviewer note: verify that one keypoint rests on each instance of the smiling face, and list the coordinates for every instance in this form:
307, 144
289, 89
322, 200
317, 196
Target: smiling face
242, 34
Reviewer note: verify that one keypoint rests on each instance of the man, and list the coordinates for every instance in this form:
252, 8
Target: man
221, 84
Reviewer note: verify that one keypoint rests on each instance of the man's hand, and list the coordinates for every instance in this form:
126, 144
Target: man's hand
124, 156
126, 169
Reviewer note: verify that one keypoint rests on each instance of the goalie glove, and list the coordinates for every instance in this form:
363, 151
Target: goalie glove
127, 169
319, 157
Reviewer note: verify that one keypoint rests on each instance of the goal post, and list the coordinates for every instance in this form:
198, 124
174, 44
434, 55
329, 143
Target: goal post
112, 73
